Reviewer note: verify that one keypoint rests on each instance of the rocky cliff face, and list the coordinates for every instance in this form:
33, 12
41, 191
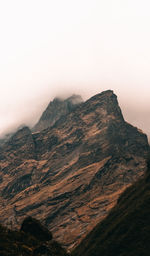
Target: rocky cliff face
71, 174
56, 109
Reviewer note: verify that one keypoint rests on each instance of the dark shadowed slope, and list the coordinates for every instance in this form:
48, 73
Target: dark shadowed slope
33, 239
126, 230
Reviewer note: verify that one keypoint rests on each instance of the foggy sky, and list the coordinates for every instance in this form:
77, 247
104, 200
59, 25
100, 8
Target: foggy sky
56, 48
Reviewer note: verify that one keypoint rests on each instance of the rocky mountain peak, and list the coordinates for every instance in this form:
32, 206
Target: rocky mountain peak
81, 166
56, 109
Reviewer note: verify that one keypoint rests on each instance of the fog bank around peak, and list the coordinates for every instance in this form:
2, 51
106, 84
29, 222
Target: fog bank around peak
26, 109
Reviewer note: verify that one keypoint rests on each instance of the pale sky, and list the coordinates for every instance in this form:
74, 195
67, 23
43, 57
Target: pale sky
60, 47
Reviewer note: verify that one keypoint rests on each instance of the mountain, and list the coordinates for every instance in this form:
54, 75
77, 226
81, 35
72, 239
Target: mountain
126, 230
32, 239
56, 109
71, 174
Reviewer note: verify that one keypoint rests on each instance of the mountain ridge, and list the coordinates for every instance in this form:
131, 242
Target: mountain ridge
72, 173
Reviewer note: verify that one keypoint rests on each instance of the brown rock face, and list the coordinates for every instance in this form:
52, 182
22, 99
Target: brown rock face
70, 175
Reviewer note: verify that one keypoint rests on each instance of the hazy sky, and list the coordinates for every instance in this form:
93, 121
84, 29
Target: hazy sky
59, 47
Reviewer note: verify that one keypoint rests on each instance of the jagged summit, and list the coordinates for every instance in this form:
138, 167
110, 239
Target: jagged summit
108, 93
56, 109
106, 101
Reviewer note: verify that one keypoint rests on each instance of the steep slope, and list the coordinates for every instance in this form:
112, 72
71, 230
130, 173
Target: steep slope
70, 175
56, 109
126, 230
33, 239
